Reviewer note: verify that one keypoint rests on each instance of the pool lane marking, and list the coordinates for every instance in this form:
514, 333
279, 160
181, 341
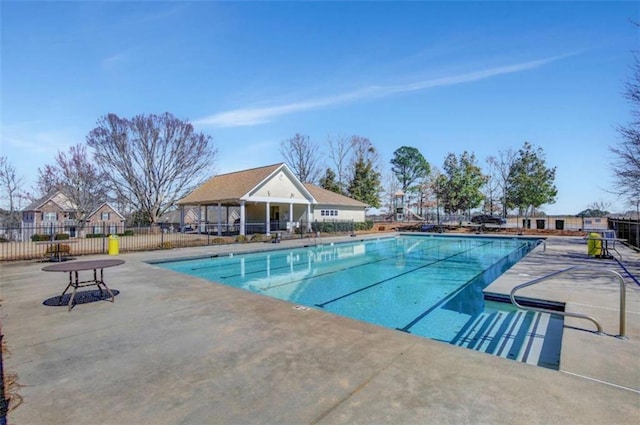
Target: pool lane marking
454, 293
343, 269
398, 275
275, 256
286, 266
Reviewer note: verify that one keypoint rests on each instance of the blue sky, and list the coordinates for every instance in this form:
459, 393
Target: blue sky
439, 76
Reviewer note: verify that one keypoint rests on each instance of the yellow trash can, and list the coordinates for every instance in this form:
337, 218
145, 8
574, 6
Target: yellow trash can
114, 245
594, 245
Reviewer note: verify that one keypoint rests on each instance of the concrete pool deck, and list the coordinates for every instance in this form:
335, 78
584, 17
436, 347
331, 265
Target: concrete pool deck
176, 349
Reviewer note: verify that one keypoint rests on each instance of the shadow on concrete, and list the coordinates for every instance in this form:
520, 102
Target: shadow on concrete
82, 297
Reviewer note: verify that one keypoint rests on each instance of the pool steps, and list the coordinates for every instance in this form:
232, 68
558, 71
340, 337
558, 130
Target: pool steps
525, 336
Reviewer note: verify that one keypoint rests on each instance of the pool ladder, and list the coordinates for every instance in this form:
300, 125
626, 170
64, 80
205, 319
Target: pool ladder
577, 315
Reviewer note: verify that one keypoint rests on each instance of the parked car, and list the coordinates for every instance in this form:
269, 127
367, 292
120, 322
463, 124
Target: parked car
487, 219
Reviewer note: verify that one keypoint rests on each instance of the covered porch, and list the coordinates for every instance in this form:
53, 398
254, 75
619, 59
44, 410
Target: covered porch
247, 218
260, 200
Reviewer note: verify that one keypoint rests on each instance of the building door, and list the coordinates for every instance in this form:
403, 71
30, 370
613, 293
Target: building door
274, 217
559, 224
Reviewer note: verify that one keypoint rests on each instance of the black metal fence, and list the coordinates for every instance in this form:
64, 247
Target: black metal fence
28, 243
626, 228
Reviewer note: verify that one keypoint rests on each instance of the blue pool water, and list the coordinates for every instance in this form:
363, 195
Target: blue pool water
430, 286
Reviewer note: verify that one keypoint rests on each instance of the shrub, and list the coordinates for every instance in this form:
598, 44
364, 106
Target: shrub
128, 233
218, 240
363, 225
94, 235
61, 237
241, 238
40, 238
166, 245
259, 237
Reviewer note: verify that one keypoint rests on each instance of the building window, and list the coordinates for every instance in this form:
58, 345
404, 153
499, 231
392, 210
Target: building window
105, 216
50, 216
97, 229
329, 213
598, 220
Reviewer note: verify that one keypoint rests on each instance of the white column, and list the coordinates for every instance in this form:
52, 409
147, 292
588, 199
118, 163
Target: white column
308, 217
242, 218
219, 219
181, 218
267, 219
291, 229
199, 217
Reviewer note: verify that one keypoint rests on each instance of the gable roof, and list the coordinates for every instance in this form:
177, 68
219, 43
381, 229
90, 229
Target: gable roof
232, 187
174, 216
95, 210
57, 197
229, 187
327, 197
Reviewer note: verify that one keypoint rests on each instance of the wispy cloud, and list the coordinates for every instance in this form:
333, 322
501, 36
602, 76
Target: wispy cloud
113, 60
160, 15
261, 115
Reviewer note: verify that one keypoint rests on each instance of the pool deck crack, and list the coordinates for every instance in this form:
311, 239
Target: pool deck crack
362, 385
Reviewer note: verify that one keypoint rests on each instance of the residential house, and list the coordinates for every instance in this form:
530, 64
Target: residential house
55, 213
170, 221
105, 219
266, 199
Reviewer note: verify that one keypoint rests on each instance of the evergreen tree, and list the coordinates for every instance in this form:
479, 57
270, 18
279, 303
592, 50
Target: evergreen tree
459, 185
531, 182
365, 183
409, 166
329, 181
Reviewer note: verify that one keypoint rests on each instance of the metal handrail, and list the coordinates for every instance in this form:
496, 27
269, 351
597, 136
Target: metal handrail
577, 315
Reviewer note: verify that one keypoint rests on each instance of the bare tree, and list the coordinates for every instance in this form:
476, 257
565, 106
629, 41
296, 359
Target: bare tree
364, 184
47, 181
339, 150
391, 186
151, 161
78, 178
626, 165
11, 185
501, 167
363, 149
301, 154
493, 186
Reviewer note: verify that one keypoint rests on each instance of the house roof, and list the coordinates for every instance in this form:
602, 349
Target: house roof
229, 187
108, 205
56, 197
327, 197
174, 216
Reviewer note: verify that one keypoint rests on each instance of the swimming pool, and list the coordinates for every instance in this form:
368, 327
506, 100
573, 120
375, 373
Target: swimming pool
430, 286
